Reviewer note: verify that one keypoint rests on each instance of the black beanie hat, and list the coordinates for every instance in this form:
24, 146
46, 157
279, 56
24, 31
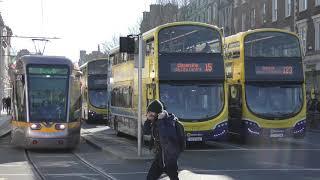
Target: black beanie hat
155, 106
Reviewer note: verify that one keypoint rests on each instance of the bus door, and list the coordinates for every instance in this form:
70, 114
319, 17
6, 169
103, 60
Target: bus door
235, 108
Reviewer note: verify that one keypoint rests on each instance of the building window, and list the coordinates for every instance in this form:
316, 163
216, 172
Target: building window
302, 31
303, 5
264, 10
243, 22
316, 21
274, 10
236, 25
214, 12
209, 14
317, 2
252, 17
288, 8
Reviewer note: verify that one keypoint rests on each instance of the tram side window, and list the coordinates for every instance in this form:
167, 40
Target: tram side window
121, 97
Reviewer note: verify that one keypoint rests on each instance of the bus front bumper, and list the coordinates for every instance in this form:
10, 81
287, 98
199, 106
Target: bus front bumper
252, 129
219, 132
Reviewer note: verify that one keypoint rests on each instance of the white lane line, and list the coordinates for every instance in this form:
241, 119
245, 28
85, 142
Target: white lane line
246, 170
129, 173
226, 145
16, 174
74, 174
54, 156
11, 165
258, 149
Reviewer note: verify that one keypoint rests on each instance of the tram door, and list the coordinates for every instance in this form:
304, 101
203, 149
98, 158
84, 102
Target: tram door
235, 108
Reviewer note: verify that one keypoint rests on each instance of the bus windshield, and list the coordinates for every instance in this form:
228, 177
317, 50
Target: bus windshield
271, 44
274, 101
193, 102
98, 67
189, 39
48, 93
98, 98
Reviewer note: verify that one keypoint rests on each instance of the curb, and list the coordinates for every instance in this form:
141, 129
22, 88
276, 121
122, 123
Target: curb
97, 144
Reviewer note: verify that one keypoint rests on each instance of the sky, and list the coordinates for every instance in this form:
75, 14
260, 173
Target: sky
80, 24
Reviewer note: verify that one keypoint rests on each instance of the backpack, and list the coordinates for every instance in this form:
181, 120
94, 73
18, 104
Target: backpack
181, 135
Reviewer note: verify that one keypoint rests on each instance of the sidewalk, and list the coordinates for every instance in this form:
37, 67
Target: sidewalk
105, 139
5, 123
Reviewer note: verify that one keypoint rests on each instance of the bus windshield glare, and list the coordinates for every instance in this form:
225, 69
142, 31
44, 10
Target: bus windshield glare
48, 93
189, 39
271, 44
274, 101
192, 102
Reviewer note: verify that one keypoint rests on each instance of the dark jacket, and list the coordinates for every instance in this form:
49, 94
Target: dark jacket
164, 135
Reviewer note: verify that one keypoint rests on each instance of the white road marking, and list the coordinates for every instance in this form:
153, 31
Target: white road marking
255, 149
129, 173
54, 156
246, 170
16, 174
73, 174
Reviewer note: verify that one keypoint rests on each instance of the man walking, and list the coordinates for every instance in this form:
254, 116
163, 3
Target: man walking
164, 139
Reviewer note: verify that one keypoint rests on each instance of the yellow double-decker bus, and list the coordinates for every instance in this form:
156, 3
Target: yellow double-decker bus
183, 68
94, 89
266, 84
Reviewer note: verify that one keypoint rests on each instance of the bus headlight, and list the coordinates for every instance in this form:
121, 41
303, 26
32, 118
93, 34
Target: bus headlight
300, 127
35, 126
60, 126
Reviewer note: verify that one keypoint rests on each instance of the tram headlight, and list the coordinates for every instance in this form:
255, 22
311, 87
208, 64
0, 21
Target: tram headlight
60, 126
35, 126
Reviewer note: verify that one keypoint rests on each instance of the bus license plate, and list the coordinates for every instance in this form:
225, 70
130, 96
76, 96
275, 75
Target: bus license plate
194, 139
276, 133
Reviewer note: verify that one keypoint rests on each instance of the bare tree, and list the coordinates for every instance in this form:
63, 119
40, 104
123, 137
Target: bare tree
135, 29
107, 46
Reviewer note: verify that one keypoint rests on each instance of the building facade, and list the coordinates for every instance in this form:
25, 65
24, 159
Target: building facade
84, 57
5, 58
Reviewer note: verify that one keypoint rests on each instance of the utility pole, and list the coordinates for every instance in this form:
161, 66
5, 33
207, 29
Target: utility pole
140, 93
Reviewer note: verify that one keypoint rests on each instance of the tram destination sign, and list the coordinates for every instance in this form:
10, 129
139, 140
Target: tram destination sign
48, 70
274, 70
191, 67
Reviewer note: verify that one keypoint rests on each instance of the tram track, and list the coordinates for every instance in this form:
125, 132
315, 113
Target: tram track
92, 167
35, 168
98, 173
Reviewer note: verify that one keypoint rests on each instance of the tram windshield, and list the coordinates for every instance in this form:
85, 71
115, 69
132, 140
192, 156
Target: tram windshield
48, 93
98, 98
271, 44
189, 39
274, 101
193, 102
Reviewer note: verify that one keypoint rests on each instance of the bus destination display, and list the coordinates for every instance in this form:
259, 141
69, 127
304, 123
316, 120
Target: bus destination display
191, 67
274, 70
